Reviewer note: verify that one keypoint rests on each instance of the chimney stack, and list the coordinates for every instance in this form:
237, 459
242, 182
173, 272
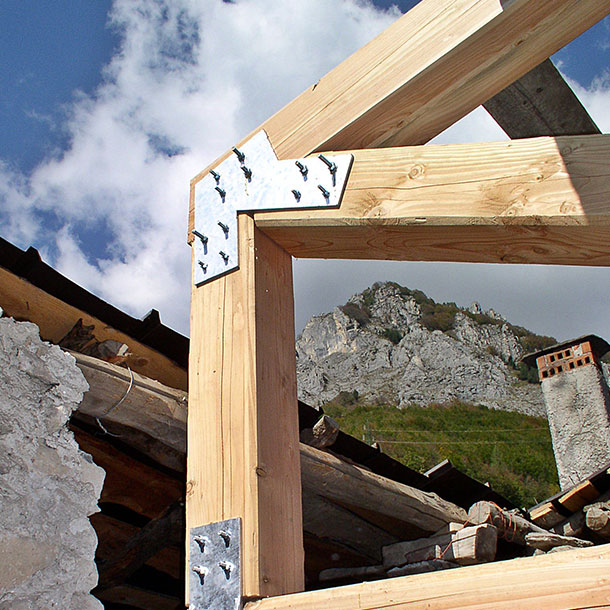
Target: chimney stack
578, 405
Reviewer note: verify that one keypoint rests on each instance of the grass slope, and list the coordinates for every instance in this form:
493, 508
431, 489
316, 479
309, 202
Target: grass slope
513, 452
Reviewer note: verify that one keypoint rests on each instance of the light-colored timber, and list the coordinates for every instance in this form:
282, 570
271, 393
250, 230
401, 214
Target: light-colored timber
576, 579
243, 456
540, 200
54, 318
430, 68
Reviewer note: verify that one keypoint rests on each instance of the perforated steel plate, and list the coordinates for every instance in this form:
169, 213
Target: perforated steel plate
215, 566
253, 179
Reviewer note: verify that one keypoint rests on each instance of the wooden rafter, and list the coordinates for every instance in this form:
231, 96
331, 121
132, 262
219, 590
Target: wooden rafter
540, 103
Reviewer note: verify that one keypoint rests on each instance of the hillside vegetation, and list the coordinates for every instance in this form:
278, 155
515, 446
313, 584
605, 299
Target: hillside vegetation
511, 451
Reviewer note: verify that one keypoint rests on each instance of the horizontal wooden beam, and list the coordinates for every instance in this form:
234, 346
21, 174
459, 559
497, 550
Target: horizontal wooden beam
541, 200
24, 301
569, 580
430, 68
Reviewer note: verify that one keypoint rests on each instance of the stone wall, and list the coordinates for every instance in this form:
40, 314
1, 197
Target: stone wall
48, 486
578, 409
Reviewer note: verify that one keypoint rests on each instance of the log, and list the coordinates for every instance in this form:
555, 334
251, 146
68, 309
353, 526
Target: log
152, 419
333, 478
322, 435
511, 527
598, 521
470, 545
548, 541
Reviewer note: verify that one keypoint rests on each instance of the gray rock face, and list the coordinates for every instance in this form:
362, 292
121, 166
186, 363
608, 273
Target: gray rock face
48, 486
336, 353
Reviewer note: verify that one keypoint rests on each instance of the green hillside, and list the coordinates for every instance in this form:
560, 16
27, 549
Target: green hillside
512, 452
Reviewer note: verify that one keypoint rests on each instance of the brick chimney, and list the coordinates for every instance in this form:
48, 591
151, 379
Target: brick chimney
578, 405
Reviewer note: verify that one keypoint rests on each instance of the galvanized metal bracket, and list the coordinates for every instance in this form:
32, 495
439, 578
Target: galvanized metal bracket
253, 179
215, 566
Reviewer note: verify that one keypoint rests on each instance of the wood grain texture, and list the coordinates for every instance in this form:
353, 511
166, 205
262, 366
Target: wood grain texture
572, 580
426, 71
243, 445
540, 200
350, 484
24, 301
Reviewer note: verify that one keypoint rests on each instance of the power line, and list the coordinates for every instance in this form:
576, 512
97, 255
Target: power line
378, 440
459, 430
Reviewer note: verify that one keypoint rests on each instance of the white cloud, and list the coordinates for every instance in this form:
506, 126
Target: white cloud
191, 77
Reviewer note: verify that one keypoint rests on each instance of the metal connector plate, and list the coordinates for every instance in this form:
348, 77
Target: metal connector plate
253, 179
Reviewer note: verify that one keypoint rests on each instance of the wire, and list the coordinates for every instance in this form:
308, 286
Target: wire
97, 419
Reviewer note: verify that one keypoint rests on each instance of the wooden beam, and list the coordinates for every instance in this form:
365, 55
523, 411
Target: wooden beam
339, 481
540, 103
426, 71
243, 444
573, 580
542, 200
54, 318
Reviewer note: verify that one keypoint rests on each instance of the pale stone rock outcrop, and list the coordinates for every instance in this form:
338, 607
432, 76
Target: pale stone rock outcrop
336, 353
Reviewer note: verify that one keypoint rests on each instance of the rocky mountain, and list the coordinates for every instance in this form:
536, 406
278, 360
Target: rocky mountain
397, 346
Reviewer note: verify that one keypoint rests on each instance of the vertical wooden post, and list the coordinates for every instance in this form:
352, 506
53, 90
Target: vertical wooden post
243, 445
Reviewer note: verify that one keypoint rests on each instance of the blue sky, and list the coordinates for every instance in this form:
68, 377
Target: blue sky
108, 108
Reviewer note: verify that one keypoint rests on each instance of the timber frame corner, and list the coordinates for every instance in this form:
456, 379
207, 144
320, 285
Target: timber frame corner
539, 200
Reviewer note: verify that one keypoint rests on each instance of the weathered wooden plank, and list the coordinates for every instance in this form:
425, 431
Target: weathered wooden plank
24, 301
124, 397
541, 200
243, 445
576, 579
323, 434
540, 103
429, 69
337, 480
467, 546
113, 534
547, 541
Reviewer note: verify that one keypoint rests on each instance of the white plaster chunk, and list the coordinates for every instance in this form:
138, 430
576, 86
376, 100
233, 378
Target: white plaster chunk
48, 486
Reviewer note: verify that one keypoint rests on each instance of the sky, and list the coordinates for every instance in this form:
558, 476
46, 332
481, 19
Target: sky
109, 107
